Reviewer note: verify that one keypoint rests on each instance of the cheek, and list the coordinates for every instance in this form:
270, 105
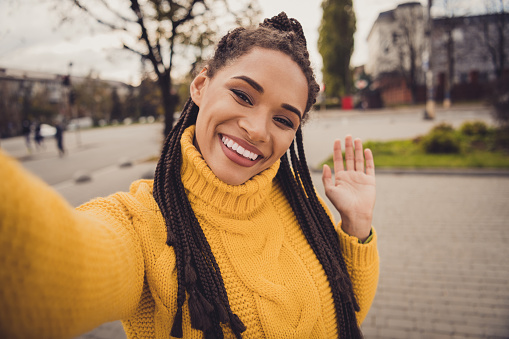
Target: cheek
284, 144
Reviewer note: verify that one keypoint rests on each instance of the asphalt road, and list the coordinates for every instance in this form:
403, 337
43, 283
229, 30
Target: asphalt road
88, 151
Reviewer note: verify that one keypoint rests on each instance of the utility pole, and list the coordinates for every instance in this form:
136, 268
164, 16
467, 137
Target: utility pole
72, 109
429, 113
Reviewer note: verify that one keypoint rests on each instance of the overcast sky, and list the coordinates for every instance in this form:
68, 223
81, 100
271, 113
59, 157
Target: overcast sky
31, 39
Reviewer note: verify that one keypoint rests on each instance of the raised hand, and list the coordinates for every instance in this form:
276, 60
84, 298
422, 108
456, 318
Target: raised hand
352, 191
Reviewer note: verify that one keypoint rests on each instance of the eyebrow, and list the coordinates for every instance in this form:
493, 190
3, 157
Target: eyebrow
251, 82
292, 109
257, 87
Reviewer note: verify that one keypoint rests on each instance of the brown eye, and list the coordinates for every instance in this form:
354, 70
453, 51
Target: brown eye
284, 121
242, 96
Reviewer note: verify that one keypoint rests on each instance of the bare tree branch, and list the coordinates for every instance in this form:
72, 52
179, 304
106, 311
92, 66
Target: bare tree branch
144, 36
96, 18
135, 51
116, 13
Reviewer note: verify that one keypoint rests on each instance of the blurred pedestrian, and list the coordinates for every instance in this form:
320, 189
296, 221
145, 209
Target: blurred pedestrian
230, 238
26, 129
38, 137
59, 136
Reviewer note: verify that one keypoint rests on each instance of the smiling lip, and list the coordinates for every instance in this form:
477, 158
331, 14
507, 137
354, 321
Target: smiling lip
247, 159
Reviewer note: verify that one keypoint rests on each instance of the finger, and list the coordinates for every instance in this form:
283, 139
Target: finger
370, 162
359, 156
349, 154
326, 176
337, 155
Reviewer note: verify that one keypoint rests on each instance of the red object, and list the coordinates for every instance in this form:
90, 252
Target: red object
346, 103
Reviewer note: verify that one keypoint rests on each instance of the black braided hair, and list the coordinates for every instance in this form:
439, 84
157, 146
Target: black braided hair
197, 271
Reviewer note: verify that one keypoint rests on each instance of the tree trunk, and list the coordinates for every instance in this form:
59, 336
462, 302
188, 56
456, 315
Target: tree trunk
170, 101
501, 45
413, 71
450, 67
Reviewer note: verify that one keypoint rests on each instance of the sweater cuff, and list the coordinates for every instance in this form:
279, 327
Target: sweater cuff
360, 253
368, 239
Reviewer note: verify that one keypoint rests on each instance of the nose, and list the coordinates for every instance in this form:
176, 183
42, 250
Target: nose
256, 126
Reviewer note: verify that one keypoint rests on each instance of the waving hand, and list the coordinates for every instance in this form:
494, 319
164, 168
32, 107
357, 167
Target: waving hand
352, 191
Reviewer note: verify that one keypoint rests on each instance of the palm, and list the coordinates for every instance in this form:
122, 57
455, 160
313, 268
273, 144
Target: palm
352, 191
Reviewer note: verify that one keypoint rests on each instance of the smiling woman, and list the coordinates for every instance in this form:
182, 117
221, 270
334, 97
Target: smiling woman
228, 240
255, 103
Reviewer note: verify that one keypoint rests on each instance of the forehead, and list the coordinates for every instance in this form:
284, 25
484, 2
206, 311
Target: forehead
274, 71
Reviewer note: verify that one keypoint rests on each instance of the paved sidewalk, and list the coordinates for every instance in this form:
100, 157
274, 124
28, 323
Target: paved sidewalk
443, 248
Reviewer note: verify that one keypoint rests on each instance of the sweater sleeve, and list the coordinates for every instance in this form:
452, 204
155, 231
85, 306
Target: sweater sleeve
362, 262
62, 271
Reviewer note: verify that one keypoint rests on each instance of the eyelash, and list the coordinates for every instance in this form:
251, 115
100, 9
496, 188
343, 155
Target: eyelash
286, 122
242, 96
245, 98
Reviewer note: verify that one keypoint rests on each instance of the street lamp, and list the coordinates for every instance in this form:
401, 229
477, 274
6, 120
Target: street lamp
429, 113
73, 112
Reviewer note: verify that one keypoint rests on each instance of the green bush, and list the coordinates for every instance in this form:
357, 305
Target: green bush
442, 127
441, 140
474, 129
502, 139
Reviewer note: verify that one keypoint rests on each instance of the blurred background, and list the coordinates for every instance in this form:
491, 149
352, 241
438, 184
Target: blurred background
89, 89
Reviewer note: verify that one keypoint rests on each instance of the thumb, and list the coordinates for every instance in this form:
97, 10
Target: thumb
326, 176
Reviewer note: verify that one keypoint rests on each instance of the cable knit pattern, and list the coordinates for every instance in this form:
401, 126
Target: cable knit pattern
109, 260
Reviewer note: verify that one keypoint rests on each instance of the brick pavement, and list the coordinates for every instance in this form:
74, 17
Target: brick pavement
443, 247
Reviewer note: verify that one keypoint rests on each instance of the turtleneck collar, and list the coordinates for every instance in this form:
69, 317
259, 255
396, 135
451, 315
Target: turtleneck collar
204, 187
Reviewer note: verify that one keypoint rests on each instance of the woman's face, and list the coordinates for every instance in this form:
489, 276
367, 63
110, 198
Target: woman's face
249, 113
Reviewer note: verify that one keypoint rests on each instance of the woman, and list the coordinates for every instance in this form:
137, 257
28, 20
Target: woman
229, 239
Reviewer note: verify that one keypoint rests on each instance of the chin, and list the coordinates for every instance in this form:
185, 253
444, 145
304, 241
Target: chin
228, 179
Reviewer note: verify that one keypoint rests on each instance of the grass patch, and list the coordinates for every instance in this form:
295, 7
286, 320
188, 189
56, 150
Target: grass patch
473, 151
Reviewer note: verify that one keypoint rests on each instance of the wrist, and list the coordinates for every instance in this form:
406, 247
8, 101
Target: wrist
358, 227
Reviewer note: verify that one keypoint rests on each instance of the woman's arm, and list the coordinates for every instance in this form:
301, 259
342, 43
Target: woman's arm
62, 272
352, 192
362, 262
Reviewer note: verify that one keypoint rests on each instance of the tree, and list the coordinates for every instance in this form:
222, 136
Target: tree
149, 96
409, 42
495, 35
161, 30
335, 44
449, 7
93, 98
117, 109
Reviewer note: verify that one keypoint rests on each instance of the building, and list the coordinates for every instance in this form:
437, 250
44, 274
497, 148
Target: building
469, 46
45, 97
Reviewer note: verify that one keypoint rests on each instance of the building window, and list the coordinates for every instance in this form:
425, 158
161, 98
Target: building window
463, 78
483, 77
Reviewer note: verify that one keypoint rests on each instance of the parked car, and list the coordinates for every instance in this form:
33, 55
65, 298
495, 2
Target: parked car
82, 123
48, 131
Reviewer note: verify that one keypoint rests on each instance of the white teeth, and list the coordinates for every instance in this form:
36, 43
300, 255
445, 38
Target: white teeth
239, 149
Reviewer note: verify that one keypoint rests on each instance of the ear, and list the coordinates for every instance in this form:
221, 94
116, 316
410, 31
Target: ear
198, 86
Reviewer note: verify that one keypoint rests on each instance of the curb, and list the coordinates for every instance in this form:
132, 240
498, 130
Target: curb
438, 171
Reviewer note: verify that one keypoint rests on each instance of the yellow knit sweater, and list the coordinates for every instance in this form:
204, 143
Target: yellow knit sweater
64, 271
